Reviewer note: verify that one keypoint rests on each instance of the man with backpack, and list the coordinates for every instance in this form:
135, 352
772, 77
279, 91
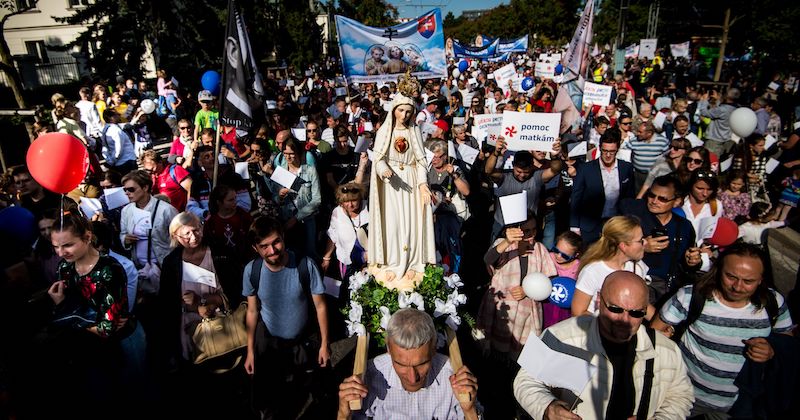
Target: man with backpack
171, 180
721, 322
282, 333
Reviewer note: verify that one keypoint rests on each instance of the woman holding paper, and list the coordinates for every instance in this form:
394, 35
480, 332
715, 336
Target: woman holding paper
300, 200
193, 278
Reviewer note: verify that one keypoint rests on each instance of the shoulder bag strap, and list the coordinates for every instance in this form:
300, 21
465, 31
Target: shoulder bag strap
647, 386
150, 231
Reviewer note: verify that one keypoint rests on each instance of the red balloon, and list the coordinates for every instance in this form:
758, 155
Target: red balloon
58, 161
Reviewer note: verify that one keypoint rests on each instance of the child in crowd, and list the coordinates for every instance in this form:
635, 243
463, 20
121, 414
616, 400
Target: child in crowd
507, 316
735, 202
565, 257
790, 195
759, 220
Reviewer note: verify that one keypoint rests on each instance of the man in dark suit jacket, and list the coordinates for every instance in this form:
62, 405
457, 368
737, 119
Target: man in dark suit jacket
598, 188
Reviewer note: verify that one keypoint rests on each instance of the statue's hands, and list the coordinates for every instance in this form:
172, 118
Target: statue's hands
387, 173
425, 192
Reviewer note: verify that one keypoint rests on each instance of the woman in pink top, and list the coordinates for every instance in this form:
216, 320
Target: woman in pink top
565, 256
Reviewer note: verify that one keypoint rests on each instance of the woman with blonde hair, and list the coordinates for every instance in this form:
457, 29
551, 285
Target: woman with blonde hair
620, 247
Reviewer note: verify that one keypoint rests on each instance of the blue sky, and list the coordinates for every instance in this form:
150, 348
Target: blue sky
411, 8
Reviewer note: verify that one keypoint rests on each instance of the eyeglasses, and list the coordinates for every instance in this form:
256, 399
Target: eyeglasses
348, 190
660, 198
129, 189
624, 123
679, 147
640, 241
695, 161
184, 128
196, 233
565, 256
634, 313
608, 152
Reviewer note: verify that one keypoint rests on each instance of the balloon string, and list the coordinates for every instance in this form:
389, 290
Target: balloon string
61, 226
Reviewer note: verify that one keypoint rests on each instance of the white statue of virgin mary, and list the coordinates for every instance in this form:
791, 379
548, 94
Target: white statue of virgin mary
401, 238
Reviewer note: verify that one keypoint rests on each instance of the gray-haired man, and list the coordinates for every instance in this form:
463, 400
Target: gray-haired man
410, 381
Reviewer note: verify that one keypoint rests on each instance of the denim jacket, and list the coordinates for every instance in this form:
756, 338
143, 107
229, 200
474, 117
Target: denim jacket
304, 199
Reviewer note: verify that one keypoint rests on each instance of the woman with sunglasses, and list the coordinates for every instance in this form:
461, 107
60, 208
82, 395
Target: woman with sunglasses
144, 228
506, 315
624, 125
620, 247
701, 202
695, 159
565, 255
193, 278
667, 163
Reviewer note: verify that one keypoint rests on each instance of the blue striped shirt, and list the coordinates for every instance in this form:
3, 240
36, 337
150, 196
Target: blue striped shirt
645, 153
712, 346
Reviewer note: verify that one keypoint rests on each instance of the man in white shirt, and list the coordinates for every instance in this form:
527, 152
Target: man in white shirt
118, 150
427, 113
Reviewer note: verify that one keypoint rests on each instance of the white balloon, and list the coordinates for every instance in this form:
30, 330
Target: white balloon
743, 121
456, 73
148, 106
537, 286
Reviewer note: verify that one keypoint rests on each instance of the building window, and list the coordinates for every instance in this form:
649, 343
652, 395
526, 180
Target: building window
26, 4
38, 50
78, 3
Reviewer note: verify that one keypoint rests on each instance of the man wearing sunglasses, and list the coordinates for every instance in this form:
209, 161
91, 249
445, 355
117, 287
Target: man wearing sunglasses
624, 351
669, 236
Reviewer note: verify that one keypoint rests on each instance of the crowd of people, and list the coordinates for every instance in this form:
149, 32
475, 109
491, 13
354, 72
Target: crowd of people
662, 224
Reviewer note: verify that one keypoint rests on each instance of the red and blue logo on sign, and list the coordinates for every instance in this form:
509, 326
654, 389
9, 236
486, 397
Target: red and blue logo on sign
426, 25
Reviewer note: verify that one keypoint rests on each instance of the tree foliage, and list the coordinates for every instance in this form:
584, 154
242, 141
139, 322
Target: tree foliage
552, 20
369, 12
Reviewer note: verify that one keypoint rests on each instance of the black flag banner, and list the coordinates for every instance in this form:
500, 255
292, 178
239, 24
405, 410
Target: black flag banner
242, 90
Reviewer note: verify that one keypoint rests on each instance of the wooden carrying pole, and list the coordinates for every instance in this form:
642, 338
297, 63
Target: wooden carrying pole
360, 365
455, 361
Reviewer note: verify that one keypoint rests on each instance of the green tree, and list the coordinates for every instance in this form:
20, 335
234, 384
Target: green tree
369, 12
300, 36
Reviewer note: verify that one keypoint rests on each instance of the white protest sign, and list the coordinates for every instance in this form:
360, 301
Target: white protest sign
368, 126
554, 368
503, 75
769, 141
486, 127
362, 145
241, 169
772, 163
680, 50
340, 91
290, 83
283, 177
530, 130
196, 274
467, 100
514, 207
90, 206
659, 120
647, 48
553, 58
725, 164
468, 154
141, 222
458, 121
544, 69
773, 86
299, 133
596, 94
115, 198
578, 150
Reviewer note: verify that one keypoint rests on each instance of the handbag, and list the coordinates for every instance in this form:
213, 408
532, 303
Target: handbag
226, 332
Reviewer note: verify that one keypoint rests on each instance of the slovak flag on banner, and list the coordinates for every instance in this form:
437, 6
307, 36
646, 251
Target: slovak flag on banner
426, 25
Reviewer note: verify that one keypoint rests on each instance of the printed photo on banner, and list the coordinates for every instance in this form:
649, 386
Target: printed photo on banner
680, 50
530, 130
595, 94
381, 54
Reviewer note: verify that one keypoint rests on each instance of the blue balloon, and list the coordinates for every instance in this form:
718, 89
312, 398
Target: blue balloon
563, 290
527, 83
19, 224
210, 82
559, 69
463, 65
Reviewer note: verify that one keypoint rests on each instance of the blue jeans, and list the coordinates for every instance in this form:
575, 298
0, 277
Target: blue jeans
549, 230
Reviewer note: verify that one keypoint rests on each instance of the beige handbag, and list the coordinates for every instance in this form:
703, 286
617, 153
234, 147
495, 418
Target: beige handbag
220, 335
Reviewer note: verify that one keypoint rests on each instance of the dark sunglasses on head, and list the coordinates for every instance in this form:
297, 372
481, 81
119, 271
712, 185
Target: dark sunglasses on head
678, 147
704, 174
348, 190
563, 255
634, 313
662, 199
129, 189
